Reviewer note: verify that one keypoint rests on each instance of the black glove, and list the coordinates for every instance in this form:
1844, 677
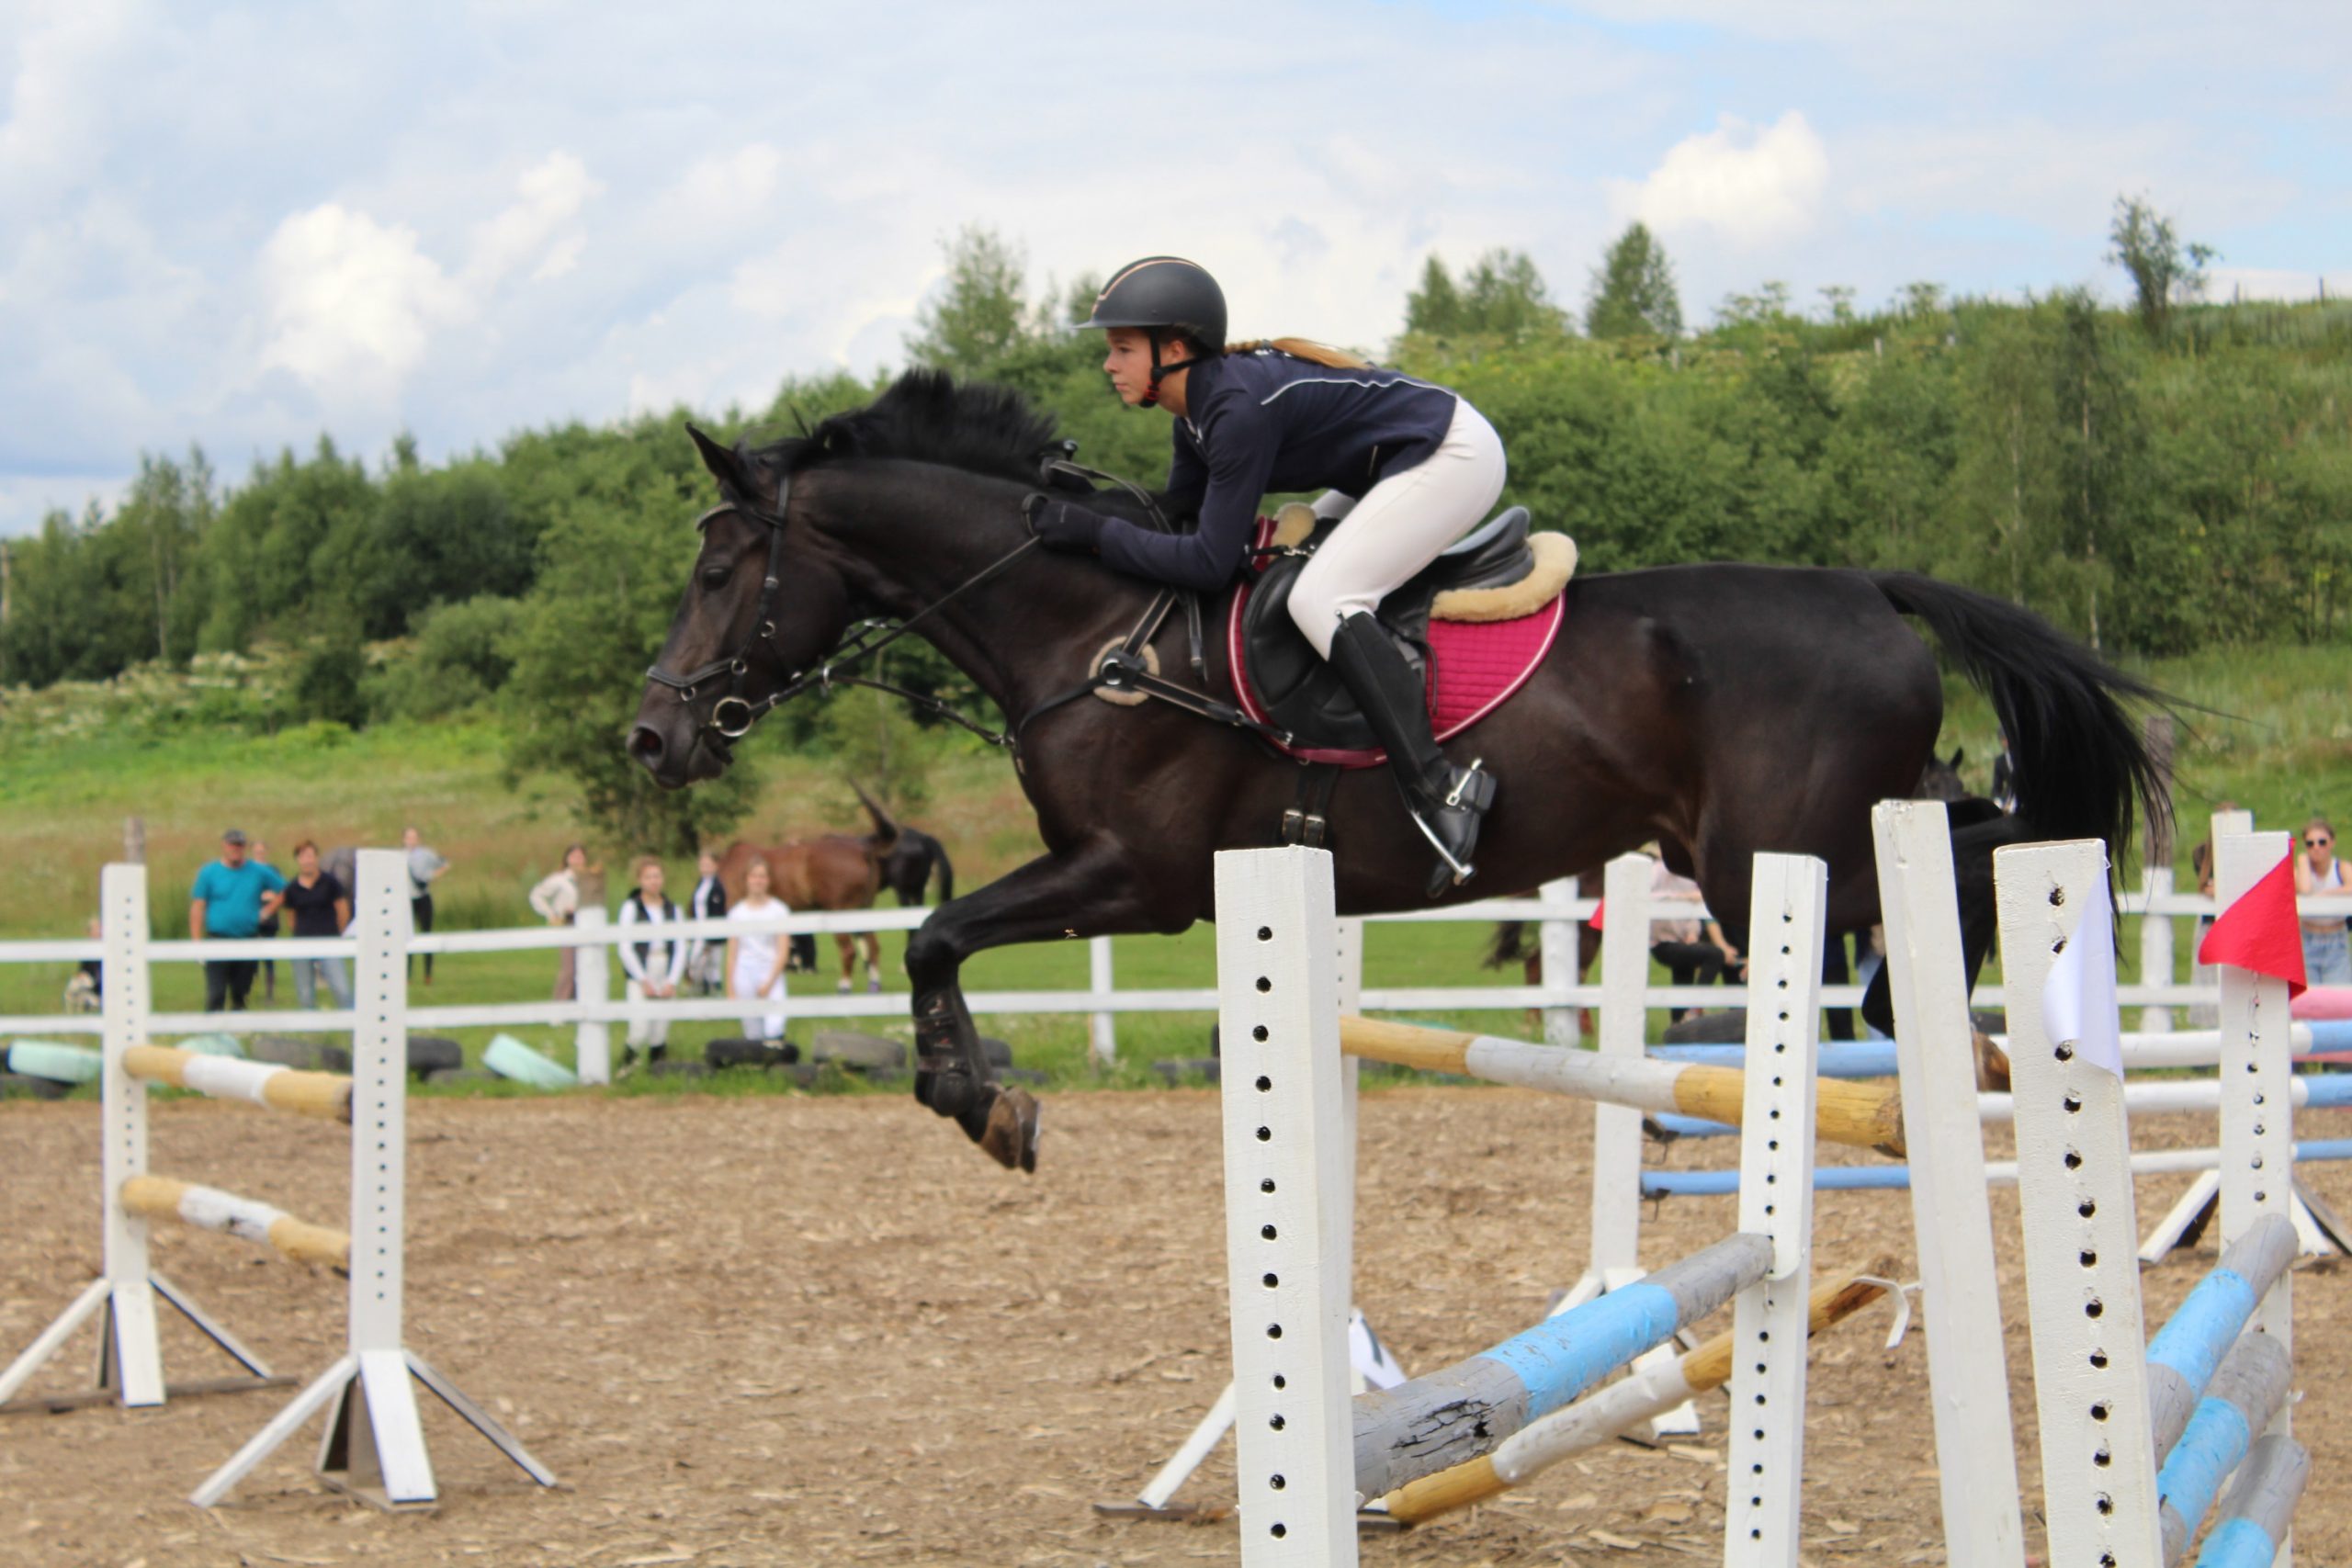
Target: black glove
1060, 525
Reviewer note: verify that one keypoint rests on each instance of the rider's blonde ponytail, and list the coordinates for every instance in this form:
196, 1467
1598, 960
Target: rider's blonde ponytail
1303, 348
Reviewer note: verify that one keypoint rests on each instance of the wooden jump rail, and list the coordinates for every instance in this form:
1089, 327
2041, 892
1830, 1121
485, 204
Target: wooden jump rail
1867, 1116
208, 1208
326, 1095
374, 1446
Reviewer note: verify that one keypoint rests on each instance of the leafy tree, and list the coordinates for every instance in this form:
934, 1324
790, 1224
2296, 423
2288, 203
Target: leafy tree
981, 314
1501, 295
1632, 293
2164, 271
327, 682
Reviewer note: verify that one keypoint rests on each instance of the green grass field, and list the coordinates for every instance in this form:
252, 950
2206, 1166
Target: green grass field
2272, 730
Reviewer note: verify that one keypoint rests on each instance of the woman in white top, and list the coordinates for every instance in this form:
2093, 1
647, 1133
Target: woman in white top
2327, 956
557, 900
755, 959
655, 968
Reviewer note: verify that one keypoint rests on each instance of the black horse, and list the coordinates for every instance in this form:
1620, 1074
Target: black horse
907, 869
1720, 709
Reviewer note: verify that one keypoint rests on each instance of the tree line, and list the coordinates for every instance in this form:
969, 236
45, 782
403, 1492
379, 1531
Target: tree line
2160, 479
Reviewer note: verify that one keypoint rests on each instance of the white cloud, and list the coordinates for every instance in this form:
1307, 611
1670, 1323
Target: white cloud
352, 303
550, 195
1751, 187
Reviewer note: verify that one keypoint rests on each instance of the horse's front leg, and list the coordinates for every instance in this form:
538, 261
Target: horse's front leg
1090, 891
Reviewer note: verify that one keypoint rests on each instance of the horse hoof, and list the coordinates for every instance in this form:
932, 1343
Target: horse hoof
1011, 1136
1992, 1065
844, 987
874, 987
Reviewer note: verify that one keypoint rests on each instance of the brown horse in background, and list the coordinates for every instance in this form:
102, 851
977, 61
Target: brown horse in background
833, 871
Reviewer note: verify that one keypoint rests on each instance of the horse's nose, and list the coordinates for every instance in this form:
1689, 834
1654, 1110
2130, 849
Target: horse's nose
645, 745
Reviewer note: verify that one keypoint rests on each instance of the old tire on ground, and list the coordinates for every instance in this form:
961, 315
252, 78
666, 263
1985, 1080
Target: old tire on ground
739, 1050
430, 1053
290, 1050
1177, 1069
24, 1086
860, 1052
463, 1076
1726, 1026
996, 1052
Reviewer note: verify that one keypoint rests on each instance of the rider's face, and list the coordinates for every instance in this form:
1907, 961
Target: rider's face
1126, 360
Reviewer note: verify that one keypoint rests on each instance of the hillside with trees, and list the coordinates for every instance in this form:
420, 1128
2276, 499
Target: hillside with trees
2163, 478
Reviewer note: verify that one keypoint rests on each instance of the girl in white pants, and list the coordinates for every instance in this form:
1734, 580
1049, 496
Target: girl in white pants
1410, 466
755, 960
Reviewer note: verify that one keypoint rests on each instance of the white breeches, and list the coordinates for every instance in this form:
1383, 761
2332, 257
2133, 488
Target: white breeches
644, 1029
751, 967
1398, 528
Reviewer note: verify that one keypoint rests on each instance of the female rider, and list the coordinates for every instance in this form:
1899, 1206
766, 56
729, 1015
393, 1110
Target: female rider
1410, 467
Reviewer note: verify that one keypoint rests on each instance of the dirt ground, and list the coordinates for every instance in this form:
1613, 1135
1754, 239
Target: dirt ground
756, 1331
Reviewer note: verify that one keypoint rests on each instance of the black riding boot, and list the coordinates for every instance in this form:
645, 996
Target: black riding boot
1446, 802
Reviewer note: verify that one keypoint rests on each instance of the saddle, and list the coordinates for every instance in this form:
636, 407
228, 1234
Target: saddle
1476, 621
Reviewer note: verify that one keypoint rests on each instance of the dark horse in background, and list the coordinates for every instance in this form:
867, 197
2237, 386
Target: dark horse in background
1721, 710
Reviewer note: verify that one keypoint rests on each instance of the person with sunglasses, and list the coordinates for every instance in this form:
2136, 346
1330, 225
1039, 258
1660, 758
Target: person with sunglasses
2327, 952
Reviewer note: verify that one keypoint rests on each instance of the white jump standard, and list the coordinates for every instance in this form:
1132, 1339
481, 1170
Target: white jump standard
1305, 1456
373, 1444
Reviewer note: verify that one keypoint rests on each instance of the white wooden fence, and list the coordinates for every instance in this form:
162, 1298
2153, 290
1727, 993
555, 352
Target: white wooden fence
1558, 911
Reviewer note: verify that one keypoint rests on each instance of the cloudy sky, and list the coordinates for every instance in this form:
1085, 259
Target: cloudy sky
240, 225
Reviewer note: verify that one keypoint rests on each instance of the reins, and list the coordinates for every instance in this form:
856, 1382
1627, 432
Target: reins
1122, 669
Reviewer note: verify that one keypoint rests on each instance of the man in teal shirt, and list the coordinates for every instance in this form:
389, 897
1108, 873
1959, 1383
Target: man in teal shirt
232, 897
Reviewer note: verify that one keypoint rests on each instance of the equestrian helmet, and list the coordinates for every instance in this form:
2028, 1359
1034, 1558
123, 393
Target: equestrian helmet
1166, 292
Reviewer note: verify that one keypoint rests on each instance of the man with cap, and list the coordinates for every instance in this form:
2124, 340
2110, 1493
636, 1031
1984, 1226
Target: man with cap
232, 897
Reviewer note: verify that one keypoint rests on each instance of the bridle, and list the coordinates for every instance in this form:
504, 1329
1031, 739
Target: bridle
736, 666
733, 713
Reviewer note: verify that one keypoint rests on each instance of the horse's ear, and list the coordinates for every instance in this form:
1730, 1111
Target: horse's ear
725, 465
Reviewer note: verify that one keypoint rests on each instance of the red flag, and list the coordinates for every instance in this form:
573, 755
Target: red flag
1604, 904
2259, 931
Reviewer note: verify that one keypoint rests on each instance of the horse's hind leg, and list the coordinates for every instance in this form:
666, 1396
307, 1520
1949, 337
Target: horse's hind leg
873, 943
848, 946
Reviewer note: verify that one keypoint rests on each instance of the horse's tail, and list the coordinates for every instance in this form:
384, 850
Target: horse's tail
1509, 945
946, 870
885, 831
2083, 769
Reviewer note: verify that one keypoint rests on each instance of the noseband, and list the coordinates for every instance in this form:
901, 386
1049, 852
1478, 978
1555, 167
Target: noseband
732, 715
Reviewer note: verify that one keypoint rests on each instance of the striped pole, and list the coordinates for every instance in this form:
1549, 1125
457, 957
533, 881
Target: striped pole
208, 1208
2182, 1355
1448, 1417
2261, 1507
230, 1077
1642, 1396
2247, 1390
1859, 1115
1998, 1173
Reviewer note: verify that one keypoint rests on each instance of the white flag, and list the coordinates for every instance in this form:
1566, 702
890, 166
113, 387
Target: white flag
2078, 999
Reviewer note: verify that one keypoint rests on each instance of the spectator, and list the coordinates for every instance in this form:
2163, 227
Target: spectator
1693, 951
2327, 953
259, 854
755, 959
557, 899
2200, 865
708, 962
425, 868
231, 896
654, 968
321, 906
86, 989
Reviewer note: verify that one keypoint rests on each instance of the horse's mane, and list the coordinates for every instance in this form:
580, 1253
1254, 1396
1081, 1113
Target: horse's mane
928, 417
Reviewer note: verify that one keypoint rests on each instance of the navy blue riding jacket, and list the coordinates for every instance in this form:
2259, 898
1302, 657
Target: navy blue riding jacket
1265, 421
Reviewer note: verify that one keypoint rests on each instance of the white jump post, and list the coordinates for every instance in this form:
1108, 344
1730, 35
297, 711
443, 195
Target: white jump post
1557, 940
1102, 1027
591, 983
373, 1444
1951, 1215
1303, 1450
130, 1362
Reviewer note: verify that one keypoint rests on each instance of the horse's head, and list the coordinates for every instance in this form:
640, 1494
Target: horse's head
762, 605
